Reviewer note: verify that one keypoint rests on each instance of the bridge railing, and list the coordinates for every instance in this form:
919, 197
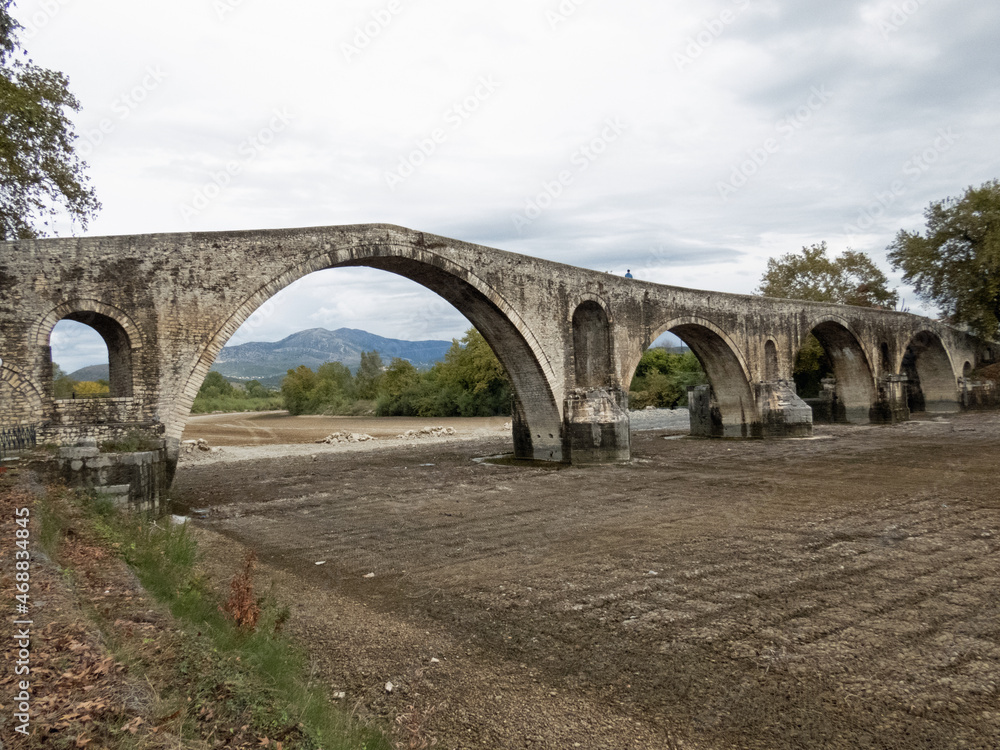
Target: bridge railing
16, 439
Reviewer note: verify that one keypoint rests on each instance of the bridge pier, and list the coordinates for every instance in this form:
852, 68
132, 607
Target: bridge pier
890, 405
779, 413
597, 426
782, 413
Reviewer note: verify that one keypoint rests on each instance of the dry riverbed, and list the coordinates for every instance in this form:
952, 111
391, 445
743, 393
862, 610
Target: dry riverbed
836, 593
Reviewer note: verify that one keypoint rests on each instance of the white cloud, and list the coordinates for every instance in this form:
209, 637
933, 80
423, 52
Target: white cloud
650, 201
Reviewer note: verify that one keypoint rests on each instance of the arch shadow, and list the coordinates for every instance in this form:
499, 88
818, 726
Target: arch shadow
854, 394
932, 385
732, 408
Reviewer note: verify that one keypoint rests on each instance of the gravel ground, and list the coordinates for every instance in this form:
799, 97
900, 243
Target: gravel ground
838, 593
277, 435
659, 419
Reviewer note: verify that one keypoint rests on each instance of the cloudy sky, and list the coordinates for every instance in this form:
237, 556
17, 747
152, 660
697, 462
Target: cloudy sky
688, 141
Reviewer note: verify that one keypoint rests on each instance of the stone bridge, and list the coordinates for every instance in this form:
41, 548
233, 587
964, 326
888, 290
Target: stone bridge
570, 338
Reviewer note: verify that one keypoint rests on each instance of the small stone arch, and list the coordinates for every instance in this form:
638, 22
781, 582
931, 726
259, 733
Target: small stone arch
120, 333
854, 391
967, 369
592, 353
771, 370
932, 385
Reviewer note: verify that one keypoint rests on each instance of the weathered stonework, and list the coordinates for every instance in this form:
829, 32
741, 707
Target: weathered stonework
135, 481
166, 304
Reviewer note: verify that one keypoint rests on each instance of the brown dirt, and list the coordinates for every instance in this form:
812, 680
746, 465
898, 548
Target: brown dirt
834, 593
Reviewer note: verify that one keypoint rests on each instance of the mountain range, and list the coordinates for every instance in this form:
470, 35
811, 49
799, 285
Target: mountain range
269, 361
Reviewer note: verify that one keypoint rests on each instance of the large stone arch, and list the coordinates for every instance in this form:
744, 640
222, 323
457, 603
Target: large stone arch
734, 410
932, 385
855, 387
122, 336
537, 419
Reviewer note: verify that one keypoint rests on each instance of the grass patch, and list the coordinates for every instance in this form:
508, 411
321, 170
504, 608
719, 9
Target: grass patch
135, 441
236, 403
241, 673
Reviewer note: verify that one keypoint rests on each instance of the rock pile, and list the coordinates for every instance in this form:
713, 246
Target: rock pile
426, 432
190, 446
347, 437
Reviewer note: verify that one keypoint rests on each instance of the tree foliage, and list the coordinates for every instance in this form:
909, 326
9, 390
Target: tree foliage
662, 378
468, 382
366, 382
39, 169
218, 394
956, 263
849, 279
214, 385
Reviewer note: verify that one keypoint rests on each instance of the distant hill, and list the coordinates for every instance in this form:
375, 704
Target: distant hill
269, 361
94, 372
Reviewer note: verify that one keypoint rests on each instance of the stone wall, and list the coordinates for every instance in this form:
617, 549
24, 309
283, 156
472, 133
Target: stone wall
979, 394
135, 481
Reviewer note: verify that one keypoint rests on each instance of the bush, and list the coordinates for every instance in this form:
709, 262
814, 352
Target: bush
135, 441
662, 379
218, 394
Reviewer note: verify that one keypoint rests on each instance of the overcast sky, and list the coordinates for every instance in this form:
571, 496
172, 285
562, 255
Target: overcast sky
688, 141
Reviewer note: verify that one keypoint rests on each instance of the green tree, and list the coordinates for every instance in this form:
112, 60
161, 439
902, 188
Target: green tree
956, 264
297, 389
849, 279
471, 368
38, 167
91, 389
339, 375
62, 384
662, 378
254, 389
369, 375
399, 376
214, 386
